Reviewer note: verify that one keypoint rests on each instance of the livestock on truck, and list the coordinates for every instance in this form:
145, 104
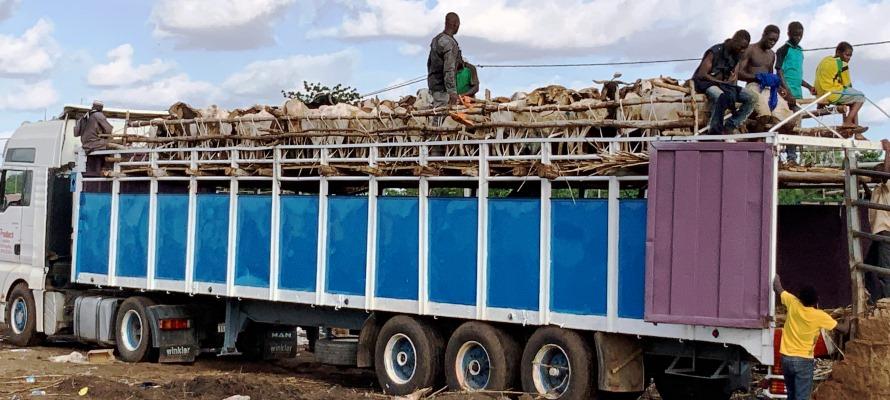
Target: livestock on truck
559, 242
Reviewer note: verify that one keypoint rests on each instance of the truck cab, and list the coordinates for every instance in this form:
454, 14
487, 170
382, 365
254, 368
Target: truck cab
36, 207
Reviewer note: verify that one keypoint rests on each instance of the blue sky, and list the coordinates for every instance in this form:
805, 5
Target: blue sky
148, 54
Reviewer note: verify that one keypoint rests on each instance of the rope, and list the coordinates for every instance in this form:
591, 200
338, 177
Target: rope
599, 64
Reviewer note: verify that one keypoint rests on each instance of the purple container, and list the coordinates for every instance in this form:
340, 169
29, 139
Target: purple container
708, 234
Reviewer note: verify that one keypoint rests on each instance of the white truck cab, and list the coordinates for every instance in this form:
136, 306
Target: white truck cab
35, 207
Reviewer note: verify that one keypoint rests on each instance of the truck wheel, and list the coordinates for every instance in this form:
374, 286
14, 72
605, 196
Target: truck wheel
558, 364
133, 332
22, 317
481, 357
408, 356
340, 351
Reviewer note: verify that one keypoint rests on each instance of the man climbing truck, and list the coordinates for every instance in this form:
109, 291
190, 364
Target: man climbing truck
187, 246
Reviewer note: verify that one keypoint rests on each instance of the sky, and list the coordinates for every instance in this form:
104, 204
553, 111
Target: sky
234, 53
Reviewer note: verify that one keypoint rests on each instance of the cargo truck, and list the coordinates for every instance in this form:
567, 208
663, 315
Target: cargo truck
563, 286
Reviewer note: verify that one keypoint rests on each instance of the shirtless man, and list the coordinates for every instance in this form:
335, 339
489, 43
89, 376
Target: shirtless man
760, 58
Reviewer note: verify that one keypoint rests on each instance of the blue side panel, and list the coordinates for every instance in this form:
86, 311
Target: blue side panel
92, 236
397, 248
578, 256
132, 236
212, 238
514, 253
253, 240
347, 244
453, 232
298, 247
172, 236
631, 258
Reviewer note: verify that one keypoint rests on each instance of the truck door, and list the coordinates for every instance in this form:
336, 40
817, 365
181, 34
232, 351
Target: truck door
16, 196
709, 232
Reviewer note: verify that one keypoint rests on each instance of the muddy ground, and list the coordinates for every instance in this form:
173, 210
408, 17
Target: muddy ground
209, 378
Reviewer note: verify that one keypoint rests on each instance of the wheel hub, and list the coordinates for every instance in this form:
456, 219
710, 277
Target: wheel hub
19, 315
400, 359
552, 371
473, 366
131, 327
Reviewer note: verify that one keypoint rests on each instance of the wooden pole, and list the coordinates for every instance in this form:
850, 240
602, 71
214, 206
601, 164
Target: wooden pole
440, 111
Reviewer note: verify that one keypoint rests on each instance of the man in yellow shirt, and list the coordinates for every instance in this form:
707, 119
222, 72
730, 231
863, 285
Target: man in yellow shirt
833, 75
803, 323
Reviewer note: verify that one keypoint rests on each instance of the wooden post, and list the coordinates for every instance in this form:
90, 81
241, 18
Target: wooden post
694, 107
852, 195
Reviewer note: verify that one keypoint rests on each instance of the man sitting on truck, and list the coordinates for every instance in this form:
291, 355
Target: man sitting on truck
833, 75
757, 68
803, 324
716, 76
89, 128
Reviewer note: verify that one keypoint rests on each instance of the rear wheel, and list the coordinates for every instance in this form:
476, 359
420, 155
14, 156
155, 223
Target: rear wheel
407, 356
558, 364
22, 317
481, 357
133, 338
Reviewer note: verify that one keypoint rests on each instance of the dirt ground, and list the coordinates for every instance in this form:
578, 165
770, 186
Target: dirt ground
209, 378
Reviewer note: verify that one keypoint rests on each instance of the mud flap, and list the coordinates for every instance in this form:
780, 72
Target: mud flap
280, 342
174, 346
620, 363
366, 342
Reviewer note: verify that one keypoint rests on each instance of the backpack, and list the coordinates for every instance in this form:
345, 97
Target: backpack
81, 124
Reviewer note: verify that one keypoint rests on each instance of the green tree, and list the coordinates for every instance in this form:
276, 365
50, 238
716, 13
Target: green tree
870, 156
319, 93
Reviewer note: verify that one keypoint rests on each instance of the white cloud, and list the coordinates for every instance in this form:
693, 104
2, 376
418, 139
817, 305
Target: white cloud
120, 71
218, 24
264, 80
410, 49
31, 54
533, 29
854, 21
871, 115
7, 8
29, 96
161, 93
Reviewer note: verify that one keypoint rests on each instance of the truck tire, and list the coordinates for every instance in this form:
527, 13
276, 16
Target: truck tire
481, 357
132, 330
341, 352
22, 317
408, 356
558, 364
250, 342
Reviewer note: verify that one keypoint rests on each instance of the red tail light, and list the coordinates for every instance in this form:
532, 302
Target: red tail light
777, 387
175, 324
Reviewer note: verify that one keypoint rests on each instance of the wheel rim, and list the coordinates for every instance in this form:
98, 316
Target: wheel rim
400, 359
19, 315
551, 371
473, 366
131, 327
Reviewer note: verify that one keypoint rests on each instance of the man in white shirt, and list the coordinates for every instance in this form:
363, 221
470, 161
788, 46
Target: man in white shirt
880, 222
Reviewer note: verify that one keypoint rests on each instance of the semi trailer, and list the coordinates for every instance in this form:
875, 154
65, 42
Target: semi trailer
563, 286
